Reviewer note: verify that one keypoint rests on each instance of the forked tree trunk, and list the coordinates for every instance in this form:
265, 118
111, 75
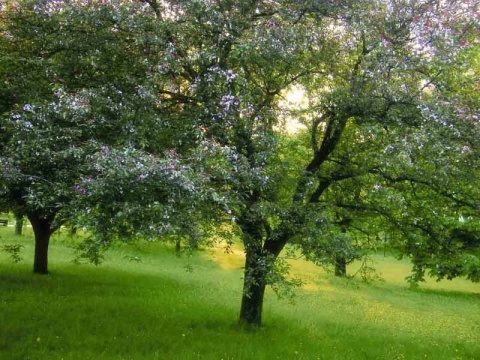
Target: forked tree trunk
42, 228
258, 262
260, 256
340, 266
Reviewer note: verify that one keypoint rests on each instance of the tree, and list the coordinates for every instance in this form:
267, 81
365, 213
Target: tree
77, 80
379, 122
387, 142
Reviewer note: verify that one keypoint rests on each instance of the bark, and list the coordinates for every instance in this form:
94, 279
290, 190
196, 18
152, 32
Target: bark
340, 266
253, 291
258, 263
18, 225
252, 304
42, 228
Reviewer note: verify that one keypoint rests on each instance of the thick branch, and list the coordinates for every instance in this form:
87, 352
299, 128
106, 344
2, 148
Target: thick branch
428, 184
402, 226
176, 96
333, 133
325, 182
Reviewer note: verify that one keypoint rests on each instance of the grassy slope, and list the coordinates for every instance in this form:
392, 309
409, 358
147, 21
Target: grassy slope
155, 309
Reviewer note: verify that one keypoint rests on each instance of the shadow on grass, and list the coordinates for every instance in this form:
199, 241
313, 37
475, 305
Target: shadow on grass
448, 293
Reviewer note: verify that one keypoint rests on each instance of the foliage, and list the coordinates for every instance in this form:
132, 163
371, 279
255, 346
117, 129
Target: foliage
13, 250
171, 196
85, 97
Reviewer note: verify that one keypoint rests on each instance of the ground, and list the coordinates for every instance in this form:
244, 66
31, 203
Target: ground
145, 302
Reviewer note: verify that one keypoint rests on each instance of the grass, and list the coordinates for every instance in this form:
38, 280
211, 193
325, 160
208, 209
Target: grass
156, 309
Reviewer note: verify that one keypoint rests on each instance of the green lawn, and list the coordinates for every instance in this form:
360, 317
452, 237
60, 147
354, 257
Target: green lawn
156, 309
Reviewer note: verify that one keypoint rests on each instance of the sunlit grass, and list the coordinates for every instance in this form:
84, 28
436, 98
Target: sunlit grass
153, 308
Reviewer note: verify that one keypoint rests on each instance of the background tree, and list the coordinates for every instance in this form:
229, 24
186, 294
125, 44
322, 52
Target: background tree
18, 224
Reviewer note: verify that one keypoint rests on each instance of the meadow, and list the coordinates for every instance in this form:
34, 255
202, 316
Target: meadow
145, 302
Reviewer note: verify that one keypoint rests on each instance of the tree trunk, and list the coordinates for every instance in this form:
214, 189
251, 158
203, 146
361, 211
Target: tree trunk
340, 266
18, 225
258, 262
42, 230
252, 305
252, 299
